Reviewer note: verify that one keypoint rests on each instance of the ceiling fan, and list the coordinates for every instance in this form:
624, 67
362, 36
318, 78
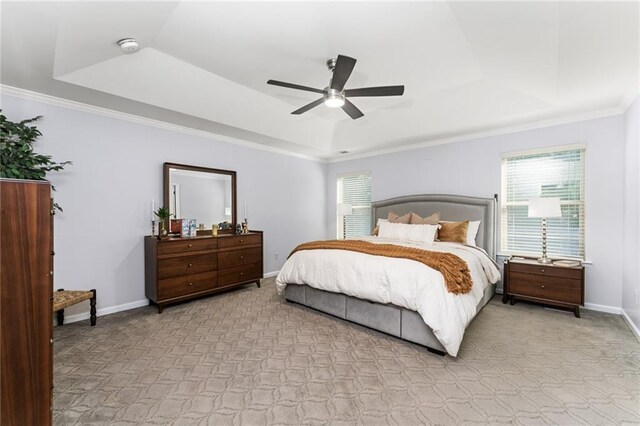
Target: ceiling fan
335, 95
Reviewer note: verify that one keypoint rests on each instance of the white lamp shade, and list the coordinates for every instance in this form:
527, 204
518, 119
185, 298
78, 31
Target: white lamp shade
544, 207
344, 209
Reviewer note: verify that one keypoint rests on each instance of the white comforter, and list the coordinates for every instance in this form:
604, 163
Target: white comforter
403, 282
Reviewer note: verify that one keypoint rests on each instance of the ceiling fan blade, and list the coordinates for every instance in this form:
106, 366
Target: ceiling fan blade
351, 110
342, 71
307, 107
294, 86
375, 91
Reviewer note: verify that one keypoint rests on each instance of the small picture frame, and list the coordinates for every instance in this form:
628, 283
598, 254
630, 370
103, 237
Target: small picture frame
184, 229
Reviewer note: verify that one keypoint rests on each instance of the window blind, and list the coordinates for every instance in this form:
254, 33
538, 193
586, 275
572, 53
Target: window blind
355, 190
554, 173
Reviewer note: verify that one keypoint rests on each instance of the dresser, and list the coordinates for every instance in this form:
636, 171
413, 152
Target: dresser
26, 294
529, 280
179, 269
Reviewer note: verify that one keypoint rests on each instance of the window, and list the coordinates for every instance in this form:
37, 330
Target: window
355, 189
557, 173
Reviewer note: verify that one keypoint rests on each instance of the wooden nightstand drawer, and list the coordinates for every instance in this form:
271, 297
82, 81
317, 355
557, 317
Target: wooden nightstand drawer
526, 279
547, 270
546, 287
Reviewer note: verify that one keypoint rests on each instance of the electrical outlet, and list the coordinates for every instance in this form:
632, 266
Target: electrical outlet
276, 255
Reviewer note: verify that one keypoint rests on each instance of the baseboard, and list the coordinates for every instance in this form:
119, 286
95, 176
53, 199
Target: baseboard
125, 306
603, 308
106, 311
632, 326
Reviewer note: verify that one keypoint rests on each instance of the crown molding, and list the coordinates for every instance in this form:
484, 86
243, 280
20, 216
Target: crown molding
627, 100
132, 118
591, 115
92, 109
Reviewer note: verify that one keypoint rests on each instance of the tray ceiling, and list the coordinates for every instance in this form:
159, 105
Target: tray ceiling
467, 66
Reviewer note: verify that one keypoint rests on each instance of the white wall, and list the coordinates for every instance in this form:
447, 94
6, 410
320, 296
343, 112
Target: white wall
630, 278
473, 168
117, 169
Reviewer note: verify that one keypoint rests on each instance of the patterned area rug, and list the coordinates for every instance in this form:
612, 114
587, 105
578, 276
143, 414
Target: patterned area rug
246, 357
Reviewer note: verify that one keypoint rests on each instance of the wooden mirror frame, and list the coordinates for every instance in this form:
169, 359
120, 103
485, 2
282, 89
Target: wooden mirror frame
232, 173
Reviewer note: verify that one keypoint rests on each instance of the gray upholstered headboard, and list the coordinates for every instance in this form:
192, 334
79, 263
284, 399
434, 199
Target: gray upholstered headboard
451, 207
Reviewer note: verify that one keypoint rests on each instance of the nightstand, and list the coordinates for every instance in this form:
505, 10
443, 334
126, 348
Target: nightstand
526, 279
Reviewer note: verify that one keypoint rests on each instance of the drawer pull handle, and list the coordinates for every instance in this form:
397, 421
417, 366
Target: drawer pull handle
190, 245
542, 286
241, 257
190, 265
241, 240
241, 273
191, 284
542, 270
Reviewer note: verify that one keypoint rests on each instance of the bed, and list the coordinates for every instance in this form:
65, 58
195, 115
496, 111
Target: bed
437, 321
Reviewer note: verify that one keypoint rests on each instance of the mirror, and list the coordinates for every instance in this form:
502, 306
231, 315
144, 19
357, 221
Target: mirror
200, 193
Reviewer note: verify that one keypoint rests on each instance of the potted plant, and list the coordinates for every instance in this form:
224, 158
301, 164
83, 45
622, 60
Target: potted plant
164, 215
17, 158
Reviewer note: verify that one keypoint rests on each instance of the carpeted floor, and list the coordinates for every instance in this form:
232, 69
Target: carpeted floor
248, 357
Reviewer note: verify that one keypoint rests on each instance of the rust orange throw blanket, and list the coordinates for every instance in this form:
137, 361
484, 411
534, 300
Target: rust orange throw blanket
455, 271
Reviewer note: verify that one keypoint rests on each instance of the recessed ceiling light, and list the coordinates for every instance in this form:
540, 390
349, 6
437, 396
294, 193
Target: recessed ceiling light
344, 152
128, 45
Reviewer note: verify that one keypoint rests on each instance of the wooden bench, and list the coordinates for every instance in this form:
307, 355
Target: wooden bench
65, 298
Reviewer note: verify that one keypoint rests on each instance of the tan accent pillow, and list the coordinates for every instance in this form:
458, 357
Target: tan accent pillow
375, 231
394, 218
415, 219
455, 232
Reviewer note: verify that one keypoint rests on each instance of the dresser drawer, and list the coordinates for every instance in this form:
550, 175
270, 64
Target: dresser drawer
239, 274
239, 240
186, 245
546, 270
232, 258
546, 287
186, 265
183, 286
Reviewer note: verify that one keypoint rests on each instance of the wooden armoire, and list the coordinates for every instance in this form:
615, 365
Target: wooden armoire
26, 291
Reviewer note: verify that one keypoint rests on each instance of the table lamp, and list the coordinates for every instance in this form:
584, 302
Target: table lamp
343, 211
544, 208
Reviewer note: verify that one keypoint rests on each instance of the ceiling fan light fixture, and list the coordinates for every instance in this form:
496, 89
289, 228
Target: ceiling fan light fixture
334, 99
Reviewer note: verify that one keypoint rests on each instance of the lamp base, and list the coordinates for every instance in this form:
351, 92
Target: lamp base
545, 260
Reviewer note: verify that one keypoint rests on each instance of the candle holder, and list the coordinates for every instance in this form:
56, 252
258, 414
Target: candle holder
245, 227
153, 227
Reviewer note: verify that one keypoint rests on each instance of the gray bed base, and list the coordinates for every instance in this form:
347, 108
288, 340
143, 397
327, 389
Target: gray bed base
389, 319
394, 320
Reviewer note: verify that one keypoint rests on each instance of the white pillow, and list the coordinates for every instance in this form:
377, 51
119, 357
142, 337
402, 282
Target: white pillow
472, 230
381, 220
405, 232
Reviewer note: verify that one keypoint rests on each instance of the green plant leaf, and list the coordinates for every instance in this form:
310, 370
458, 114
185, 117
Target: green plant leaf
17, 158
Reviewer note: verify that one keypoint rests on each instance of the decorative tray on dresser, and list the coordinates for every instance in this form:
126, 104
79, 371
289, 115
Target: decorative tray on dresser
179, 269
526, 279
